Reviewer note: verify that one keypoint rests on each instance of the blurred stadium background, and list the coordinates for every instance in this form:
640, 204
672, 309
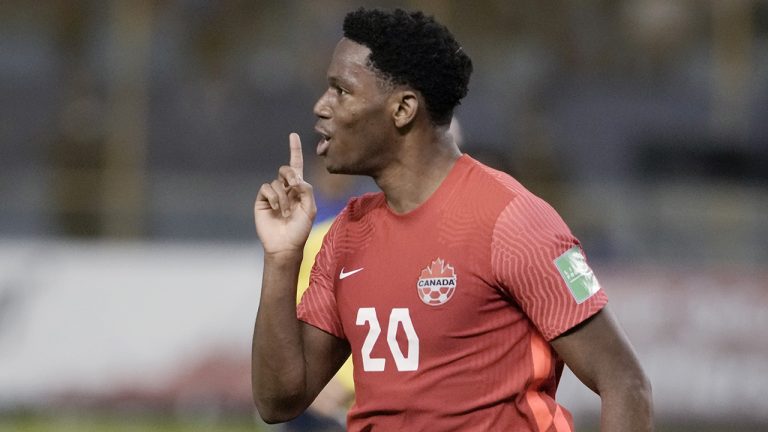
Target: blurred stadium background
135, 134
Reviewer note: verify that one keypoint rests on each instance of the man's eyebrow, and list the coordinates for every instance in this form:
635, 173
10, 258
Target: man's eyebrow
334, 80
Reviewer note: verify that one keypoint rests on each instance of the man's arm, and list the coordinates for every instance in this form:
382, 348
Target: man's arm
291, 361
600, 355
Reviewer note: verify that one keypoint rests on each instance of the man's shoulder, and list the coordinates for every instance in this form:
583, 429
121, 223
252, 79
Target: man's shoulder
485, 176
488, 186
519, 202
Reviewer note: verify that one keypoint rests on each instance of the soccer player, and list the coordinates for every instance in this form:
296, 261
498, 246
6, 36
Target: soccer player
458, 293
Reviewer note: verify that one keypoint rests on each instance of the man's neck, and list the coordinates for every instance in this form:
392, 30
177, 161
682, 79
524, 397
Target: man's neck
410, 180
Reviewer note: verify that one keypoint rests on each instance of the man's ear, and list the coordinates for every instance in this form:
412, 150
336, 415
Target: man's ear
405, 108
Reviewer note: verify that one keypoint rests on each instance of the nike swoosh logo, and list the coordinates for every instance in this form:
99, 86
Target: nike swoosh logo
343, 274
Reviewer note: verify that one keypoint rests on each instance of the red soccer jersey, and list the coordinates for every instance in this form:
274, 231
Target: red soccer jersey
448, 308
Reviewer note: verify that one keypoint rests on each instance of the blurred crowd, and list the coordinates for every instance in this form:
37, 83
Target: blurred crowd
643, 121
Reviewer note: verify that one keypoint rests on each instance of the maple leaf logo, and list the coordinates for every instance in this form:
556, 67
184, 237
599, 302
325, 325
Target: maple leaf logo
437, 269
437, 283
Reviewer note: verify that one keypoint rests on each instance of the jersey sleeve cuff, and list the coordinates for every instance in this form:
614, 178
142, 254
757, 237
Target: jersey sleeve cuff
589, 308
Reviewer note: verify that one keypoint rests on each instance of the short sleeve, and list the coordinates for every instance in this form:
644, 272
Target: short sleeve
541, 265
318, 304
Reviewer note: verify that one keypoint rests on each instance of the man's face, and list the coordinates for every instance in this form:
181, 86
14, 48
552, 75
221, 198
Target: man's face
354, 114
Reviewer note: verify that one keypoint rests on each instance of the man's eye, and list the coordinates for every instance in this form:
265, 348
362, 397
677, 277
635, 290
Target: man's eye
340, 91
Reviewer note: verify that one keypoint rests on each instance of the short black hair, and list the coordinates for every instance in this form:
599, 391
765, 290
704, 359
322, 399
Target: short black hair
413, 49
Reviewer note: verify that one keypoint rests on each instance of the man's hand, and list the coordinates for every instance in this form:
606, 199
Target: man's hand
285, 209
284, 381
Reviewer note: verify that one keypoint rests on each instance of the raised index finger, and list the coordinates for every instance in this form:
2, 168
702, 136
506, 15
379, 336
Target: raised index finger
297, 160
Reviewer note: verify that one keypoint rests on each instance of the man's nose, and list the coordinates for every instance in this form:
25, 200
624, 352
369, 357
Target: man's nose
321, 107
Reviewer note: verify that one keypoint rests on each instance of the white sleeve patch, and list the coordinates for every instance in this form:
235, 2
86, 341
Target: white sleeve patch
577, 275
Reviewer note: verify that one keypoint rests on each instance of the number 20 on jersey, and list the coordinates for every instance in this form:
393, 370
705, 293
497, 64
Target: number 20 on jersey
398, 317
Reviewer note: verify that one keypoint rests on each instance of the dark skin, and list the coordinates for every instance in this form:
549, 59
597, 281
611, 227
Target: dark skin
385, 132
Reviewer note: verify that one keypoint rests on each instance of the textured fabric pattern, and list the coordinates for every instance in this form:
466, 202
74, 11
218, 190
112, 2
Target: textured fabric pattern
448, 308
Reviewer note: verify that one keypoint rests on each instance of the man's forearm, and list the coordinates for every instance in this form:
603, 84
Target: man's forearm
627, 409
277, 361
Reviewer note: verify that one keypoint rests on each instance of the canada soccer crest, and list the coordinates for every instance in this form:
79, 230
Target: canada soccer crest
437, 283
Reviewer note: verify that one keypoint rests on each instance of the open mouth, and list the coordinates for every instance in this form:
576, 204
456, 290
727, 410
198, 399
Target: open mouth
325, 142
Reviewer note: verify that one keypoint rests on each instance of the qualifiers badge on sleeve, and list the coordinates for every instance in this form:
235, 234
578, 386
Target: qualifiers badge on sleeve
579, 278
437, 283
